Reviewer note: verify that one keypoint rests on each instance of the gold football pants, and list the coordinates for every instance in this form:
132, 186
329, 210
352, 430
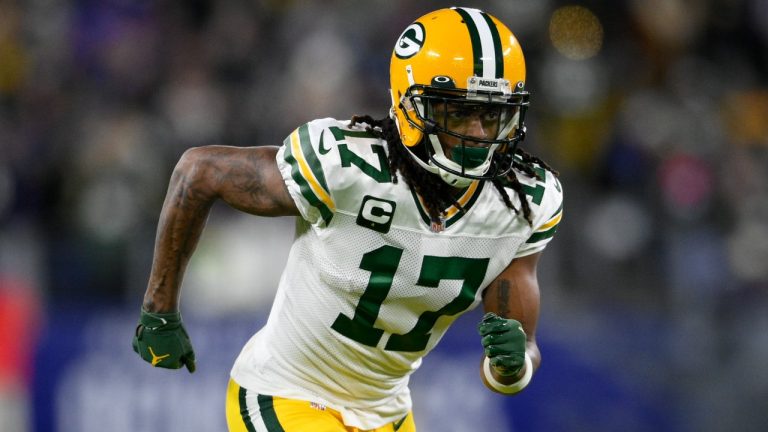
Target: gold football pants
275, 414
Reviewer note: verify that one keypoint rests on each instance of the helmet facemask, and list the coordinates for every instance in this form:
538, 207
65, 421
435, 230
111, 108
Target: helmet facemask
469, 134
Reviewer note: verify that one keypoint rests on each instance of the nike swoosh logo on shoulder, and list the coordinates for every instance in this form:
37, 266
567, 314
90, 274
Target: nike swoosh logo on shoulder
323, 150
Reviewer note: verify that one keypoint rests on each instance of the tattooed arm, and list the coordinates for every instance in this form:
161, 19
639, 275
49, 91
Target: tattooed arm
514, 294
245, 178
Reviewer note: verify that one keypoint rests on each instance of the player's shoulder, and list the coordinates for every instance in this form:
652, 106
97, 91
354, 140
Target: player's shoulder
540, 184
329, 162
331, 141
341, 144
338, 142
552, 186
545, 197
332, 131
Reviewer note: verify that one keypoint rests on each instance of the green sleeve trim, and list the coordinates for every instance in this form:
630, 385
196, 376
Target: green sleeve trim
304, 187
539, 236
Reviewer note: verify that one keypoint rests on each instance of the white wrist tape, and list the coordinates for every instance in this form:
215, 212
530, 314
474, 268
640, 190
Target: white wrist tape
516, 386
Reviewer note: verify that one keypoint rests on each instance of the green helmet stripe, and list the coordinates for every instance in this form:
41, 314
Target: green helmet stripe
486, 44
474, 36
496, 45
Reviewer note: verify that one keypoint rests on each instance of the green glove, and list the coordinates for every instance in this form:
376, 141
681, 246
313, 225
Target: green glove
162, 341
504, 343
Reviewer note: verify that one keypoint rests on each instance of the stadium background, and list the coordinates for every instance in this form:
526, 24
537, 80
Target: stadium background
654, 293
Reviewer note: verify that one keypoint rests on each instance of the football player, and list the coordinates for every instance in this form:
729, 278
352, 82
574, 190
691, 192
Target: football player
404, 224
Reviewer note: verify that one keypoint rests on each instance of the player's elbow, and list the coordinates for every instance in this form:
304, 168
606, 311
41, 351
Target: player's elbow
194, 173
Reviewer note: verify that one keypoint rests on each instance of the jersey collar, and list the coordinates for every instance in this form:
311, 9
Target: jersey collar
452, 213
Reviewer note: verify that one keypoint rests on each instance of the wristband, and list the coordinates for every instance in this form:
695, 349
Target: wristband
516, 386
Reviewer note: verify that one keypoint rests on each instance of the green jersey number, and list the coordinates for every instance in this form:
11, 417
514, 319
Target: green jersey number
383, 263
349, 158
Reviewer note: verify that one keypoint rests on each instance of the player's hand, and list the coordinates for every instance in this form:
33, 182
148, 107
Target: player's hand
162, 341
504, 343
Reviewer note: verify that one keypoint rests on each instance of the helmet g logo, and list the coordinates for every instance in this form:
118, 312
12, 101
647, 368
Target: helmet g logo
410, 42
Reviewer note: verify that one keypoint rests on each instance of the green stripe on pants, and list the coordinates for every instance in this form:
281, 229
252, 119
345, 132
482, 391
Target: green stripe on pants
268, 414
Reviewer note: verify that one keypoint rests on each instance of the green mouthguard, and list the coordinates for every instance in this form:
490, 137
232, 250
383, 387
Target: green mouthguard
469, 157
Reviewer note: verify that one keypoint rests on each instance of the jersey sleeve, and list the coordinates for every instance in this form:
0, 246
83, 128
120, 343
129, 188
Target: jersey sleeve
301, 165
547, 216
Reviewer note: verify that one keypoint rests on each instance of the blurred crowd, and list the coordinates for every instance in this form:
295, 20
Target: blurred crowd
655, 113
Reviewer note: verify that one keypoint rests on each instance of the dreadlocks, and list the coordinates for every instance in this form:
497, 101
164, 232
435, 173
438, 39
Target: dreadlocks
435, 193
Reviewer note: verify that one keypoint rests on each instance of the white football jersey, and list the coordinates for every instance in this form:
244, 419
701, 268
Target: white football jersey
371, 285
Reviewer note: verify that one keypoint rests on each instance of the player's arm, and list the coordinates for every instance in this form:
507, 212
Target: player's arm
247, 179
508, 329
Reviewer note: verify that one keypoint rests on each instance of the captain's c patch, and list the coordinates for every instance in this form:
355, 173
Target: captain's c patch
376, 214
